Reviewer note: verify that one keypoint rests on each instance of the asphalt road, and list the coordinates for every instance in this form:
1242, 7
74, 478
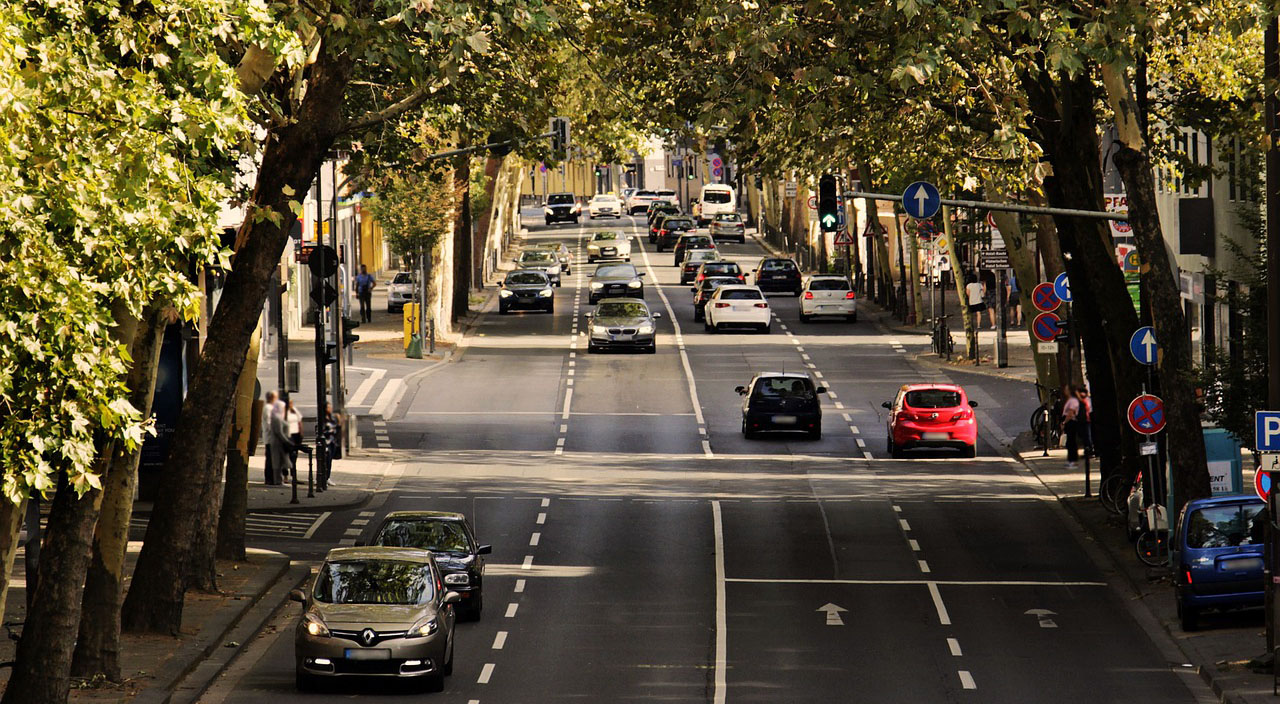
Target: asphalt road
644, 551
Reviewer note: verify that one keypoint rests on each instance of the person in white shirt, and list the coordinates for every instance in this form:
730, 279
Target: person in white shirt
268, 408
293, 426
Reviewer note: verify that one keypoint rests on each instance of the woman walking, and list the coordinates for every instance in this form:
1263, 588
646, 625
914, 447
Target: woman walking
293, 425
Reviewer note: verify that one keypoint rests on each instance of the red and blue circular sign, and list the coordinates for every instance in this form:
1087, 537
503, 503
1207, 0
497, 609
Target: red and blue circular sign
1045, 327
1146, 414
1262, 483
1044, 298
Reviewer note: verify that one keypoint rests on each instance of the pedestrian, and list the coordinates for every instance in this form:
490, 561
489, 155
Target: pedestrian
1071, 425
268, 408
974, 294
332, 440
293, 426
364, 291
1014, 298
281, 447
1085, 418
990, 296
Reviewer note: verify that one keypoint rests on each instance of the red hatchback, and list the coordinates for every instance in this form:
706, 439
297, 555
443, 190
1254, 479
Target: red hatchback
932, 415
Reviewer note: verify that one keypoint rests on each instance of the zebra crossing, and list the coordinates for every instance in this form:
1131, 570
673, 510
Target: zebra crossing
300, 525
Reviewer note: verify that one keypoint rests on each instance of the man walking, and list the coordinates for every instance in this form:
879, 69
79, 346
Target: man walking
281, 448
364, 291
268, 409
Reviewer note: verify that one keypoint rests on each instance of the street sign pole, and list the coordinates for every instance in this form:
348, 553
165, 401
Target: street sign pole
1002, 345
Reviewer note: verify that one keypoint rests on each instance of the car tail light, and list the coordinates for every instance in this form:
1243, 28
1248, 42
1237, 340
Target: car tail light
741, 277
1188, 576
962, 415
722, 305
849, 295
762, 305
808, 295
662, 232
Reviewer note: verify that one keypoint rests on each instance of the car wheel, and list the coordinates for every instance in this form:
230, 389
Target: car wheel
894, 452
433, 682
502, 310
447, 668
698, 314
805, 318
551, 309
304, 681
591, 260
706, 324
559, 283
971, 451
575, 221
797, 292
628, 258
661, 248
815, 434
592, 349
651, 349
548, 221
767, 328
1189, 616
748, 434
853, 318
592, 300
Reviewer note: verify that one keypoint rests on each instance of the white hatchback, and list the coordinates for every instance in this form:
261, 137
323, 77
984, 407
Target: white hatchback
737, 306
828, 295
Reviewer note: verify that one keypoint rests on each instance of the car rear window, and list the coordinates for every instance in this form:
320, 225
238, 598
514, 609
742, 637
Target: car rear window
677, 224
560, 199
662, 192
778, 265
713, 284
403, 277
742, 294
526, 277
784, 387
932, 398
721, 268
702, 256
728, 217
1226, 526
646, 193
439, 536
828, 285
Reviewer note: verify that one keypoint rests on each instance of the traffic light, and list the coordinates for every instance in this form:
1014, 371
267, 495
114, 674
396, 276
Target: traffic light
347, 325
828, 204
559, 136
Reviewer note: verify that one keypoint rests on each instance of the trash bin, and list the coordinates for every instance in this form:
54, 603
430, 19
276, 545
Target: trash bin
414, 350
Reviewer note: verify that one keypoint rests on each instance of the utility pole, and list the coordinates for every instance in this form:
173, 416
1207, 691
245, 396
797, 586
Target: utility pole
1271, 72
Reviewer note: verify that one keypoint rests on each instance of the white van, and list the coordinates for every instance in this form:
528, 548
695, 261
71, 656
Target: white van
716, 198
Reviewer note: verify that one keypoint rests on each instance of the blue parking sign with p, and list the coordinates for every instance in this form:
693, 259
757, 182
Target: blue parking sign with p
1267, 431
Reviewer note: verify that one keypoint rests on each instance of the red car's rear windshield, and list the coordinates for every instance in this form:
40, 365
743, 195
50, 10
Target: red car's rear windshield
932, 398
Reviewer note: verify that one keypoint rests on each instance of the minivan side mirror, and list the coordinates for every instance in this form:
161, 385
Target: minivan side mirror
298, 596
973, 404
740, 389
452, 597
886, 404
484, 550
656, 315
641, 273
821, 390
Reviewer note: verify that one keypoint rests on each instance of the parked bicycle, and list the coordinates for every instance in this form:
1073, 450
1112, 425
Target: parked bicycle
943, 345
1113, 493
1046, 420
1152, 545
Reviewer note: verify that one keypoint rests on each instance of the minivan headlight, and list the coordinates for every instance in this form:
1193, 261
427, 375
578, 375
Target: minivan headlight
315, 625
634, 284
424, 627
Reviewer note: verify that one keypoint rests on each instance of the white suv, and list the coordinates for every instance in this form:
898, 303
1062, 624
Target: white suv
828, 295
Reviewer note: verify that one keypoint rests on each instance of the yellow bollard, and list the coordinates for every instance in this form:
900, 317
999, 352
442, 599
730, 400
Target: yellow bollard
410, 322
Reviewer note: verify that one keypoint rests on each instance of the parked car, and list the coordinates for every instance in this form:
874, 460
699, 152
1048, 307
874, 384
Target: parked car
687, 243
780, 401
703, 290
541, 260
561, 207
931, 415
449, 537
604, 205
526, 289
401, 291
777, 274
615, 280
828, 295
719, 268
694, 262
622, 323
375, 612
1218, 556
609, 245
737, 306
716, 199
727, 226
670, 229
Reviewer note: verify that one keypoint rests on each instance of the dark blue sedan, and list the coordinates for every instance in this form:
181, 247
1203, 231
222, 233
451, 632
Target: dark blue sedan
1218, 555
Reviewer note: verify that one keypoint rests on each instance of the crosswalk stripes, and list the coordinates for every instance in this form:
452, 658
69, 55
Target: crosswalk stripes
267, 525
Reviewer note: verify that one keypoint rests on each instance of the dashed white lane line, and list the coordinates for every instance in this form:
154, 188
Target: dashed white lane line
367, 514
354, 532
861, 443
954, 645
511, 609
568, 398
486, 673
944, 618
535, 539
542, 517
846, 417
853, 428
546, 503
839, 404
499, 640
868, 455
528, 562
564, 428
897, 508
915, 545
519, 586
966, 680
905, 526
924, 566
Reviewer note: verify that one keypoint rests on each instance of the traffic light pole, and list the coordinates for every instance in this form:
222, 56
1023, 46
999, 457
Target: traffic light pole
321, 392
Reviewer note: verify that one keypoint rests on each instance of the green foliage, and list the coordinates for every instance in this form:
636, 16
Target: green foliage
119, 134
415, 209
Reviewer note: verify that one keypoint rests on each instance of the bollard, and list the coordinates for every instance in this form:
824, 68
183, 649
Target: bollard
311, 494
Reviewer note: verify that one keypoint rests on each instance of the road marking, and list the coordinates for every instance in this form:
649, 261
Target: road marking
546, 503
485, 673
903, 522
359, 521
924, 566
535, 539
868, 455
386, 398
364, 514
568, 397
519, 586
511, 609
499, 640
847, 419
852, 428
966, 680
528, 562
353, 532
861, 443
347, 541
915, 547
943, 617
833, 614
366, 387
542, 517
312, 530
939, 582
564, 428
722, 647
954, 645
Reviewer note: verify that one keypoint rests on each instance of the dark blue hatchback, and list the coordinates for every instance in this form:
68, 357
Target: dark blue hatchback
1218, 558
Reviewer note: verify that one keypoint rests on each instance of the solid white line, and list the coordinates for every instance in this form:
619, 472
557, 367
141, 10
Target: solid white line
966, 680
499, 640
519, 586
366, 387
924, 566
511, 609
943, 582
528, 562
535, 539
722, 647
943, 617
485, 673
954, 645
542, 517
312, 530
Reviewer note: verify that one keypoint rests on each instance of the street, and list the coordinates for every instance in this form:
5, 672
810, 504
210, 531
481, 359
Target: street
643, 550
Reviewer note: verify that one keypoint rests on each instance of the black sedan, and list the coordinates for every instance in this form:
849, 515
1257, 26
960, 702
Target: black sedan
702, 291
528, 290
449, 536
616, 280
622, 323
782, 402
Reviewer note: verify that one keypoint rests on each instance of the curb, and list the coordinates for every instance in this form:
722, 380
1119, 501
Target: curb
196, 657
332, 508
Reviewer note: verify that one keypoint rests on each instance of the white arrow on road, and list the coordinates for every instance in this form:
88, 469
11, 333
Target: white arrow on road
921, 198
1043, 616
833, 614
1148, 341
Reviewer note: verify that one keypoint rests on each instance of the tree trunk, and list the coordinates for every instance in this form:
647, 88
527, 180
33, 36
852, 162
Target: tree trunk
913, 271
958, 279
11, 516
235, 490
492, 172
1182, 411
1024, 268
462, 236
97, 650
291, 159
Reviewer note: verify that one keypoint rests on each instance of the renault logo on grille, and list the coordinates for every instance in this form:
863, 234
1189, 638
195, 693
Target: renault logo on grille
367, 636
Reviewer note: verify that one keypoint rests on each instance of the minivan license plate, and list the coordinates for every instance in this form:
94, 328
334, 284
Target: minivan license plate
784, 420
1241, 564
368, 653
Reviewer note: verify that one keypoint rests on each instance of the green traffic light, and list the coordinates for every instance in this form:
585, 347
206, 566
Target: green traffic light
828, 219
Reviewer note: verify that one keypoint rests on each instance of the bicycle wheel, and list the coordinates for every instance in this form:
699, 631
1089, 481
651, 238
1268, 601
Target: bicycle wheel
1111, 493
1152, 548
1037, 422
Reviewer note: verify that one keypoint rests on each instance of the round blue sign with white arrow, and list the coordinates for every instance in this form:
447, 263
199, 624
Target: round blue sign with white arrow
1142, 345
921, 200
1062, 287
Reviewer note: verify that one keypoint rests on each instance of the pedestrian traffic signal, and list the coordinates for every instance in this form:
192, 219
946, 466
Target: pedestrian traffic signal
347, 325
828, 204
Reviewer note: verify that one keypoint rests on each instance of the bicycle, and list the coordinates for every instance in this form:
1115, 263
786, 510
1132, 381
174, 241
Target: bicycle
943, 344
1046, 420
1152, 545
1113, 493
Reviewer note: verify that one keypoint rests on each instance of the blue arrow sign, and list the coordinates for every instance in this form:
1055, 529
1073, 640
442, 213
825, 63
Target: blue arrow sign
1062, 287
1142, 345
921, 200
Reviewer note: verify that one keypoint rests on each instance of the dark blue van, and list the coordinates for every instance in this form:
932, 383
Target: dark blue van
1218, 555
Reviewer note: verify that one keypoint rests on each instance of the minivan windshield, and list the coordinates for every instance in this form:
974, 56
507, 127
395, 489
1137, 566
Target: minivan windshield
932, 398
560, 199
374, 582
1226, 526
437, 536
